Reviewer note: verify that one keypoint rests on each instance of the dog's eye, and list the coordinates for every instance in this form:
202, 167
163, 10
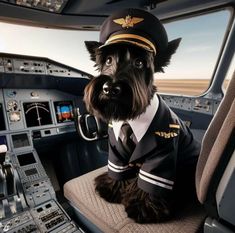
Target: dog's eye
108, 61
138, 63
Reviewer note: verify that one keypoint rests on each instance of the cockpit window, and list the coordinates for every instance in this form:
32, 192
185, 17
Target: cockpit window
189, 73
193, 65
64, 46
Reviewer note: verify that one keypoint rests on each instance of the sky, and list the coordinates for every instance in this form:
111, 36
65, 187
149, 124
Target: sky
196, 57
64, 46
200, 46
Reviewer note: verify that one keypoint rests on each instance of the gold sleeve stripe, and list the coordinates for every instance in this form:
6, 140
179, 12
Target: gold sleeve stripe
175, 126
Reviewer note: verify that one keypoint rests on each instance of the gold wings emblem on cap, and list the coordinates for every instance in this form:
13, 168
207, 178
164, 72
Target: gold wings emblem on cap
128, 21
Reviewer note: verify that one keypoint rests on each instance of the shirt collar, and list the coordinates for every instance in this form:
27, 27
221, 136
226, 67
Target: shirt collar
140, 124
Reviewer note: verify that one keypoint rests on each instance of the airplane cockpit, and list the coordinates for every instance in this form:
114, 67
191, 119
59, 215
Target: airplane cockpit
48, 138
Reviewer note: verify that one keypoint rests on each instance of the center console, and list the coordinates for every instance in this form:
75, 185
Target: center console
30, 204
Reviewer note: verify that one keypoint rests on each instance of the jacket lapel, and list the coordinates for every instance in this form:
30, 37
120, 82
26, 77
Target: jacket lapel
149, 140
146, 145
115, 143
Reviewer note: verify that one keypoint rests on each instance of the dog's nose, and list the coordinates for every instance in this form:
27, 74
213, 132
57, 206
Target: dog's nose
111, 89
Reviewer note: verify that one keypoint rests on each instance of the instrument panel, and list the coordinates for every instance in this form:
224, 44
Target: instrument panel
38, 98
203, 105
39, 112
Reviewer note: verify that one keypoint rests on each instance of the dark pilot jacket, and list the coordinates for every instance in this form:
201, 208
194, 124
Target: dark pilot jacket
167, 150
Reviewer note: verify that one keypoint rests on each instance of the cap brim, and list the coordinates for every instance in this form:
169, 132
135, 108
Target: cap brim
131, 39
127, 42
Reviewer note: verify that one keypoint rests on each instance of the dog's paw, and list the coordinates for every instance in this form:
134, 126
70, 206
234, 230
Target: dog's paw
109, 189
143, 211
143, 208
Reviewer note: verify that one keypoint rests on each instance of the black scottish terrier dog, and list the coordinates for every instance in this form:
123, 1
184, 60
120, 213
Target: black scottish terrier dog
149, 179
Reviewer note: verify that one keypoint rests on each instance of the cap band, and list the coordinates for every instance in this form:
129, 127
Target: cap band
125, 37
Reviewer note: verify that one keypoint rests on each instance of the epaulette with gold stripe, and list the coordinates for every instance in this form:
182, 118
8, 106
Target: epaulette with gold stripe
174, 126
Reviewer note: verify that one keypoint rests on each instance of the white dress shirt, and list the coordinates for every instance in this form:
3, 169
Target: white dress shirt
141, 123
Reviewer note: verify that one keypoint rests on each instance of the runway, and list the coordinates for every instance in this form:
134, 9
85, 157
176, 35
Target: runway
184, 86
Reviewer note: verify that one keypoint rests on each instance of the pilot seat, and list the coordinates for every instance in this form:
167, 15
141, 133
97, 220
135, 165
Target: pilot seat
215, 186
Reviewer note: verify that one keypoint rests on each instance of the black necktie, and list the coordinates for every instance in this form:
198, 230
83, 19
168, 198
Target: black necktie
127, 142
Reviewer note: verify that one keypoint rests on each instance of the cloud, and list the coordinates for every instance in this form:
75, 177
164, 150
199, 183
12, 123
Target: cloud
195, 49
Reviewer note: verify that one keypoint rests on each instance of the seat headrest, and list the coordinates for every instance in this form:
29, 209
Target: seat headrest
215, 140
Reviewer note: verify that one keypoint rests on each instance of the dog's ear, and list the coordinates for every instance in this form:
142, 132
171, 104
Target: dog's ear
92, 47
163, 58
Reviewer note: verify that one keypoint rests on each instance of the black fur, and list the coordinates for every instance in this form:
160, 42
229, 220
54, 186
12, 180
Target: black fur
143, 207
122, 91
109, 189
136, 84
163, 58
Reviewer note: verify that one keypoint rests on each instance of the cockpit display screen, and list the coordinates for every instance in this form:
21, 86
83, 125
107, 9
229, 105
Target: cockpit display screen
2, 121
26, 159
37, 114
20, 140
64, 111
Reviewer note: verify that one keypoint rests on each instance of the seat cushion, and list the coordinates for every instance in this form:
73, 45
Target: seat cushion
112, 217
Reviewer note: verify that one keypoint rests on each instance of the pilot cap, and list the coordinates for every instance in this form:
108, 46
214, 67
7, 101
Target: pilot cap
136, 27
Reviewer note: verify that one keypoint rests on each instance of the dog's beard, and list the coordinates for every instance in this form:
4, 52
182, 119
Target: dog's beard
135, 86
135, 96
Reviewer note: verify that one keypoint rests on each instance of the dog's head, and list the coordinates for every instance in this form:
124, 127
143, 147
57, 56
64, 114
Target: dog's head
126, 64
